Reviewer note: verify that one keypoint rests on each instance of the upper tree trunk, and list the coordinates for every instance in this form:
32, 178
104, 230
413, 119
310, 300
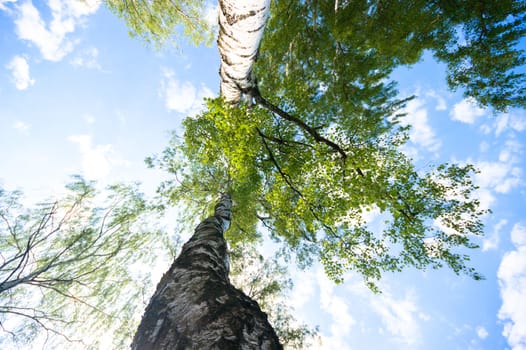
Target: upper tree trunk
196, 307
241, 24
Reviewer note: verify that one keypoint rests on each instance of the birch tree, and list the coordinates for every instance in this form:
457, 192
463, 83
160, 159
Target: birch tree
310, 167
322, 146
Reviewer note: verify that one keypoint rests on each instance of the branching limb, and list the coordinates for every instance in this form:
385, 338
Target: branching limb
287, 179
306, 128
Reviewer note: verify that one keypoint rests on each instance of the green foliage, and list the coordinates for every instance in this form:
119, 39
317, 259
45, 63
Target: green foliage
157, 21
70, 269
316, 201
352, 49
485, 60
315, 169
212, 160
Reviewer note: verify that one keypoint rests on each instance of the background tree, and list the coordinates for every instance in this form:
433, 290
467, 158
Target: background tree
267, 280
157, 22
70, 269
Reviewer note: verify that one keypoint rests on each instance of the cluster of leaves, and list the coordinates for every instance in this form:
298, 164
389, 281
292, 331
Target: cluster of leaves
213, 159
159, 21
68, 267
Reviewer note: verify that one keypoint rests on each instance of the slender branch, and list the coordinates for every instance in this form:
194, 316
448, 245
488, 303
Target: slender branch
39, 319
13, 335
275, 162
284, 142
11, 230
292, 187
306, 128
72, 297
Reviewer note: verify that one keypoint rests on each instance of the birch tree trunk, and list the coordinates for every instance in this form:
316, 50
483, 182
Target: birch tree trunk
241, 25
196, 307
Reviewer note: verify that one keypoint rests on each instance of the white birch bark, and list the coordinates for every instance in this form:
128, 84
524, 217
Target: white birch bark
241, 25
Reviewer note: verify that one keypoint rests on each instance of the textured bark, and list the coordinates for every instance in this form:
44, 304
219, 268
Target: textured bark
196, 307
241, 25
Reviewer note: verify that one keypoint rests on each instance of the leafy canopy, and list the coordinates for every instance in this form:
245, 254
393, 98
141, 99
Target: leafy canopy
315, 201
351, 49
320, 152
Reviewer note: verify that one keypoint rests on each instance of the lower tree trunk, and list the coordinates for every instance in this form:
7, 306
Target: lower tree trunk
196, 307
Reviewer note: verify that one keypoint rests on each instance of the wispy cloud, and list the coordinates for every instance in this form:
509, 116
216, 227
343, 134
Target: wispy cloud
52, 38
87, 58
441, 104
466, 111
21, 126
89, 119
421, 133
4, 5
182, 96
492, 242
97, 160
400, 317
338, 310
482, 333
515, 121
512, 282
20, 72
505, 174
499, 176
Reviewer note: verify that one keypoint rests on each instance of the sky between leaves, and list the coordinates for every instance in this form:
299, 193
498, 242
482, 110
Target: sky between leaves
78, 96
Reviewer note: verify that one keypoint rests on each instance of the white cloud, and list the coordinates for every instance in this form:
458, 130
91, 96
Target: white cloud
337, 308
52, 38
303, 289
506, 121
501, 123
485, 197
401, 318
518, 235
21, 126
182, 96
492, 242
97, 160
499, 176
87, 59
512, 282
441, 104
212, 15
503, 175
4, 5
466, 111
482, 333
20, 72
421, 132
89, 119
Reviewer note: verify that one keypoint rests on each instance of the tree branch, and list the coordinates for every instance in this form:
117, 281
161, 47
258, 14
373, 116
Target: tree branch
292, 187
306, 128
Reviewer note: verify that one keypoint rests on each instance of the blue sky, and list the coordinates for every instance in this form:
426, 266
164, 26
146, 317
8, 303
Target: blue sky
79, 96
